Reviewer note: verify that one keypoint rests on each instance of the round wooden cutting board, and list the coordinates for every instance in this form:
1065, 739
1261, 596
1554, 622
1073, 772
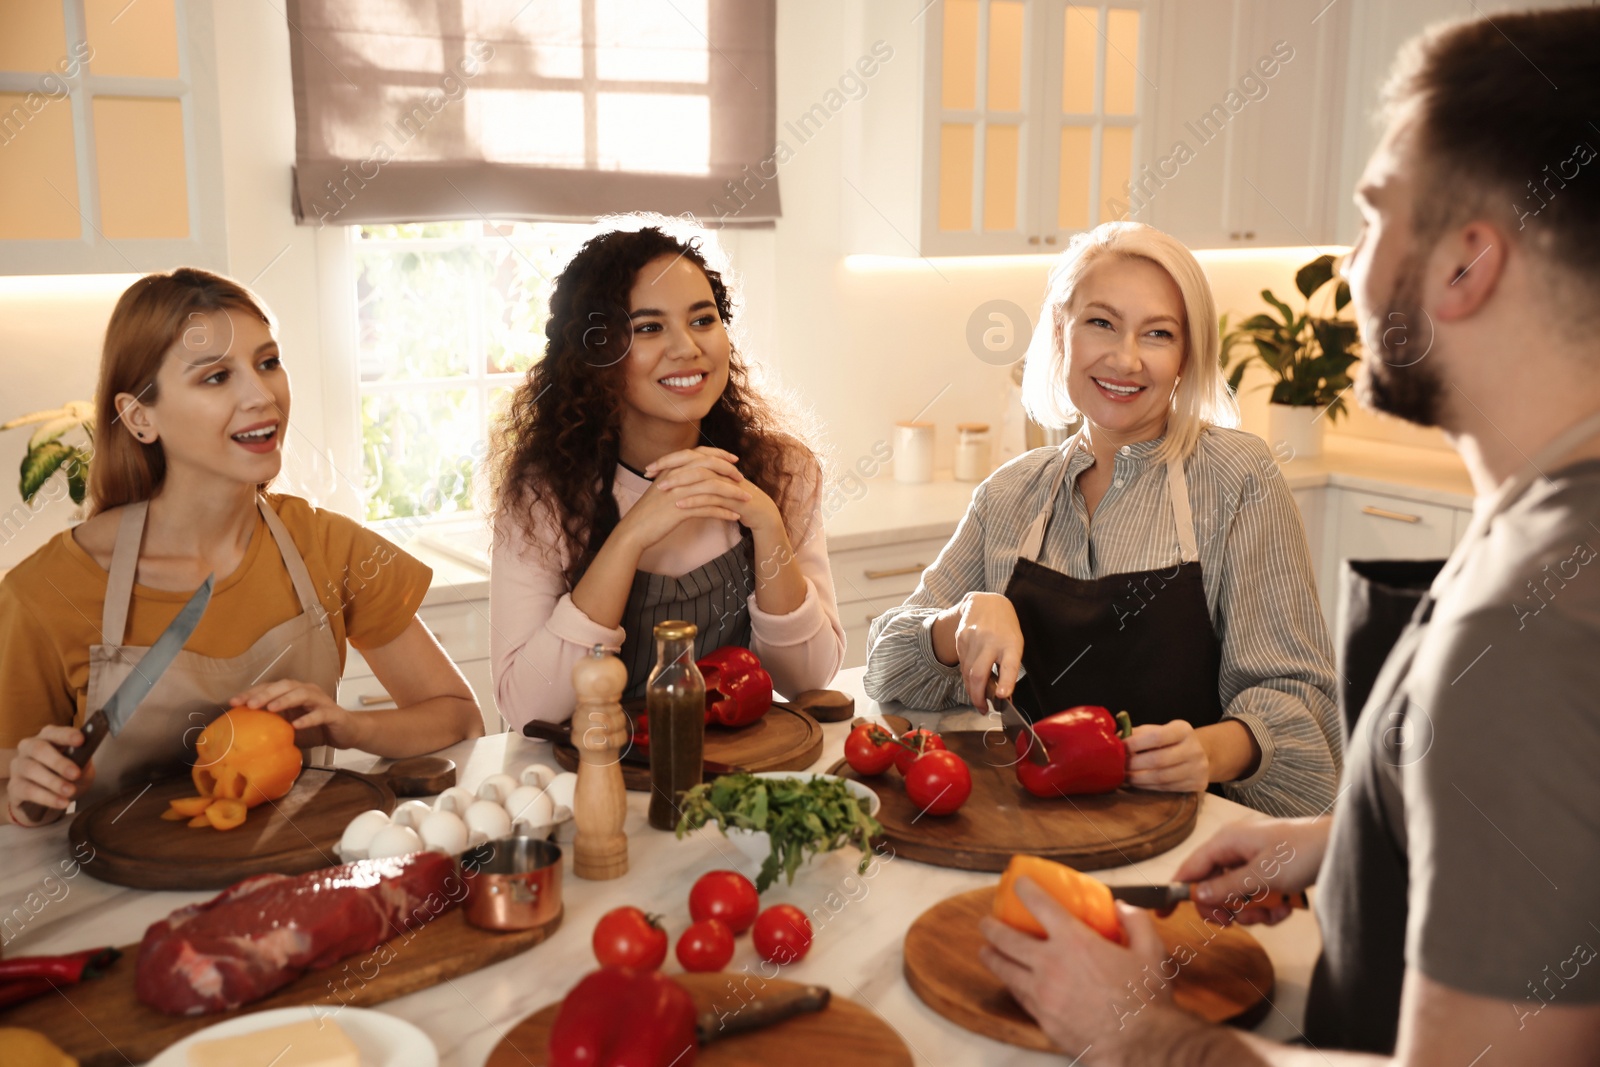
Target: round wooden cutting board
1223, 973
784, 739
1001, 818
841, 1035
133, 846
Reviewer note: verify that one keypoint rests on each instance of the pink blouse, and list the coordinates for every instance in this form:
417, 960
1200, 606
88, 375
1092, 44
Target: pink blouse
537, 634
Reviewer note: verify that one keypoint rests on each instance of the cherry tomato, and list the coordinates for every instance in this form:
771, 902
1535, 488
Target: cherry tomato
869, 749
920, 741
782, 934
725, 895
938, 782
627, 937
706, 946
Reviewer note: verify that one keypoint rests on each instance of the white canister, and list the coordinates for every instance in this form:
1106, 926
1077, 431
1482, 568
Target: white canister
913, 451
972, 451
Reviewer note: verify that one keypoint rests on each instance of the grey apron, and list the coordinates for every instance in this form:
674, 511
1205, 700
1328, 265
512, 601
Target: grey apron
715, 596
159, 739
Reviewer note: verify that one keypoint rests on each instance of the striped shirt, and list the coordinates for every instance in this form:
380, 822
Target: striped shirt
1277, 675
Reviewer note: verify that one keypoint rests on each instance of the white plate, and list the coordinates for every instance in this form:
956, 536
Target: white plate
384, 1040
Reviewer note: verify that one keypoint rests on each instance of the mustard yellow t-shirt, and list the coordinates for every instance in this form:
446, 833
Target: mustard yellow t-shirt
51, 605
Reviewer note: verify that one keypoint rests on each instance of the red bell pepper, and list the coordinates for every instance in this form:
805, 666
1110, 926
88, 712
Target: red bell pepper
620, 1017
1085, 749
738, 690
25, 977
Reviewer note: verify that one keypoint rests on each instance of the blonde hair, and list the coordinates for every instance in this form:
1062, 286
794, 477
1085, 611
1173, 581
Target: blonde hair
1201, 398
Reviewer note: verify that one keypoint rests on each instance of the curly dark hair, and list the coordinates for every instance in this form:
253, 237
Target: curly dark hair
558, 445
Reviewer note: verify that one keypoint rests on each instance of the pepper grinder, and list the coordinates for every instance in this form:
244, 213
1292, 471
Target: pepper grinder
599, 731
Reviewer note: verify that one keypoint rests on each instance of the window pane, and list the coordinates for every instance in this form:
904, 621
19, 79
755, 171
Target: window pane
134, 40
144, 183
524, 126
1072, 207
38, 170
35, 38
960, 75
551, 29
646, 40
1122, 59
1005, 55
1116, 168
1000, 177
955, 176
411, 310
654, 133
419, 451
1077, 64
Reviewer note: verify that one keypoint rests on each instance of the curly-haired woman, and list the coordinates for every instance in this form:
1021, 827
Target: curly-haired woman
712, 510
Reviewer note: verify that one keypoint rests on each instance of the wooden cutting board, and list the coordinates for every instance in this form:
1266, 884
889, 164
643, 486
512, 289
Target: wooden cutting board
784, 739
842, 1034
1001, 818
133, 846
1223, 973
103, 1024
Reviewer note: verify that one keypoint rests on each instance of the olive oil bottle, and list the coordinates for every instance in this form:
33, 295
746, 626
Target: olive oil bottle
675, 699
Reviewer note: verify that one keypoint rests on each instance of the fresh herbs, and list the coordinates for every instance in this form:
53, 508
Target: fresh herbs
805, 816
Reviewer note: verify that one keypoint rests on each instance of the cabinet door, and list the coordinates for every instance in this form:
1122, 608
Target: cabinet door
1378, 526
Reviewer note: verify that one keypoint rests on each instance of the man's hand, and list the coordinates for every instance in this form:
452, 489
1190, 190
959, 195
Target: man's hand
1242, 861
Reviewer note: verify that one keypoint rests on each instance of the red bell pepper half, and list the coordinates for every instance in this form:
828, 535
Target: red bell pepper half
619, 1016
1085, 749
738, 690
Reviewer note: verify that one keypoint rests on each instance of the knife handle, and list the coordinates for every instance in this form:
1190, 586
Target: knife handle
764, 1010
94, 731
1273, 898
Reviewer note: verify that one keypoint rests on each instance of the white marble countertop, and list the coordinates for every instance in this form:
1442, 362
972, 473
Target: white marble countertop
859, 921
1430, 475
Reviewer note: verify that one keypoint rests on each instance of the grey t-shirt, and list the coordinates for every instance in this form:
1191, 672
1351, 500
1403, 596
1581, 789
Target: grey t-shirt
1466, 843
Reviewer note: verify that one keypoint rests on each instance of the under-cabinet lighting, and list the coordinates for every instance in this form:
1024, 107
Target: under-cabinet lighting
1292, 255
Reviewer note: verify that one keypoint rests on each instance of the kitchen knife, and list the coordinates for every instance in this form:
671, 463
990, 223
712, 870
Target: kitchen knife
561, 734
111, 718
1160, 897
1014, 725
763, 1010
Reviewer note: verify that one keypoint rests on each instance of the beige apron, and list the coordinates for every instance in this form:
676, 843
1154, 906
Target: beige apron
159, 738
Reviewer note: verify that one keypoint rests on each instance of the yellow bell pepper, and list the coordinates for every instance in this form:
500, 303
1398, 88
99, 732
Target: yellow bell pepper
1087, 898
246, 755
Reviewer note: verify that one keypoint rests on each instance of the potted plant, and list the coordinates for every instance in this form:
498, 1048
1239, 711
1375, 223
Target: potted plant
48, 453
1311, 357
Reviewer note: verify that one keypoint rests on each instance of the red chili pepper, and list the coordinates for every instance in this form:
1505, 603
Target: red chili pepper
738, 690
1086, 752
25, 977
619, 1016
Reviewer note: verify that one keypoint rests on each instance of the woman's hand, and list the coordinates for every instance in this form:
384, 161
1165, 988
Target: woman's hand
1168, 757
982, 632
42, 774
705, 474
307, 707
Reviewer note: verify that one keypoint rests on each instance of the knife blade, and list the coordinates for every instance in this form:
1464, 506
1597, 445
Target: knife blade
109, 720
762, 1010
1015, 725
1160, 897
561, 734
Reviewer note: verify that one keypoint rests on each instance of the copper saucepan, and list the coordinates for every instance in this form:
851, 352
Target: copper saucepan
513, 883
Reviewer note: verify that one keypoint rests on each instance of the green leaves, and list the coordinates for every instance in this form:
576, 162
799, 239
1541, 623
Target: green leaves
42, 462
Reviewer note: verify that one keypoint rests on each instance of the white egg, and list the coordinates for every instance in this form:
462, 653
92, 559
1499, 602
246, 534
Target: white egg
497, 787
411, 814
456, 800
538, 775
358, 835
560, 791
394, 841
445, 832
490, 819
528, 805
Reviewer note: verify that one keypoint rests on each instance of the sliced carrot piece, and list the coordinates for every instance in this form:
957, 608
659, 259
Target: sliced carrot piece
189, 807
226, 814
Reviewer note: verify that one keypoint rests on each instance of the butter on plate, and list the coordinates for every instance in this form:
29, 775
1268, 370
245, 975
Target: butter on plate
309, 1043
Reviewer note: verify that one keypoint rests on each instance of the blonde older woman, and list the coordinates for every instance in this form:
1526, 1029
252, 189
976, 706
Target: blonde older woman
1154, 563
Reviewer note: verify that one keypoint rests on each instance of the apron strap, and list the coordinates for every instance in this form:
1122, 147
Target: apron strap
1178, 489
292, 560
1033, 540
124, 568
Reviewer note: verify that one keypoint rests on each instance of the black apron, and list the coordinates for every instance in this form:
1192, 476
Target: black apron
1377, 600
1140, 642
715, 596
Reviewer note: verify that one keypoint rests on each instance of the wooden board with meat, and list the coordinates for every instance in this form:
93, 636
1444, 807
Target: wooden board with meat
353, 935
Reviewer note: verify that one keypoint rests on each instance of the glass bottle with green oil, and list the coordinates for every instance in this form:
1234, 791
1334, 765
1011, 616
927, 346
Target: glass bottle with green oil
675, 698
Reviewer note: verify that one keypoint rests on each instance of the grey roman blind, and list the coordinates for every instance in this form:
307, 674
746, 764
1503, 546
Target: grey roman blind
423, 110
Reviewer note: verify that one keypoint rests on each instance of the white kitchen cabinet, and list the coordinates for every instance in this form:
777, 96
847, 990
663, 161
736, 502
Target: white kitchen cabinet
462, 628
869, 581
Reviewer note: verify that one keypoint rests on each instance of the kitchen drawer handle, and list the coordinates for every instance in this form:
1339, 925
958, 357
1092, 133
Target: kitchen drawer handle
369, 700
895, 572
1385, 513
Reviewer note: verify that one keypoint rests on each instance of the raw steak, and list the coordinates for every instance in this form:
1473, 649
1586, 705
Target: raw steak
263, 933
